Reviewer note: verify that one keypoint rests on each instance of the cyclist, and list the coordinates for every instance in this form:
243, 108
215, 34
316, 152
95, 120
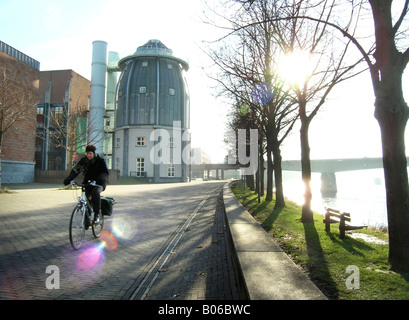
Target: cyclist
94, 169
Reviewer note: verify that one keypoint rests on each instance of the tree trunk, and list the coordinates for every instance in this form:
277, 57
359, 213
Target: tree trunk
258, 180
250, 182
278, 175
262, 185
396, 184
269, 195
306, 215
1, 144
392, 114
260, 171
0, 168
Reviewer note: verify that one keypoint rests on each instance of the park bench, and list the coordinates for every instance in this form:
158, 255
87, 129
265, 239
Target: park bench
343, 218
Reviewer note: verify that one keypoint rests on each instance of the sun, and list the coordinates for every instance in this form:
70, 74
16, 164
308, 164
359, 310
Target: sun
296, 67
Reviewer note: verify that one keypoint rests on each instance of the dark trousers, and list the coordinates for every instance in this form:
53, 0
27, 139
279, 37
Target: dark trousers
94, 194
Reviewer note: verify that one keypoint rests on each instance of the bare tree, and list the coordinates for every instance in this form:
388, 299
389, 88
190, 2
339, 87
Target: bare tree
329, 65
16, 104
386, 65
275, 21
248, 74
67, 128
243, 117
275, 106
392, 114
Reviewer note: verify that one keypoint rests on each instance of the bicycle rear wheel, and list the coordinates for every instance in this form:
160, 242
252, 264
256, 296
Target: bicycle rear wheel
97, 228
77, 228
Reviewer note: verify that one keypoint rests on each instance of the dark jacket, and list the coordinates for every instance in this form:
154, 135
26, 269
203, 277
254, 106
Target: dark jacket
93, 170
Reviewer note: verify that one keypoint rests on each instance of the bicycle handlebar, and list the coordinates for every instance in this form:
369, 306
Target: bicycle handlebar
90, 183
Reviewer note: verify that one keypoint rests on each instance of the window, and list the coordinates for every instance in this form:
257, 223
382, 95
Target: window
39, 144
118, 143
140, 142
170, 66
140, 167
57, 112
145, 64
171, 169
171, 143
172, 91
142, 90
40, 116
108, 144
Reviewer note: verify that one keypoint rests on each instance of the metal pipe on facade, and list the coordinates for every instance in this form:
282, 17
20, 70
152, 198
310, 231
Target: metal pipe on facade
97, 99
67, 110
47, 112
112, 79
112, 82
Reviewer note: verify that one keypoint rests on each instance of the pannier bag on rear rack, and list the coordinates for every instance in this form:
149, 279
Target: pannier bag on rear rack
107, 204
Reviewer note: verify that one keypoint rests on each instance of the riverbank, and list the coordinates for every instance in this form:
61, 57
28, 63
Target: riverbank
361, 193
343, 269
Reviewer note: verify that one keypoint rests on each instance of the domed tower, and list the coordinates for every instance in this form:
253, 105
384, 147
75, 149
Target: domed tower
152, 122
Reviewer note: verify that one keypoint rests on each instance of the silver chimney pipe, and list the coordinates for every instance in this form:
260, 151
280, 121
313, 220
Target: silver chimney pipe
97, 99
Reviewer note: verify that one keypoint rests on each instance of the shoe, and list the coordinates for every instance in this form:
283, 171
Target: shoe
96, 221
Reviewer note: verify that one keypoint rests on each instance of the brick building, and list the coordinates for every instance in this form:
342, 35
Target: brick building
19, 80
62, 118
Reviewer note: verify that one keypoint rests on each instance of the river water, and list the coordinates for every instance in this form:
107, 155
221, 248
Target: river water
361, 193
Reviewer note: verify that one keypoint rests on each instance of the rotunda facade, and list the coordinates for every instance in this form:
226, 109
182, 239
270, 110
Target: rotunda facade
152, 125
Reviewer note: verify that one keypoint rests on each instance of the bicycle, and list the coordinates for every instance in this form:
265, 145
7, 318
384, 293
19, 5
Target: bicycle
82, 217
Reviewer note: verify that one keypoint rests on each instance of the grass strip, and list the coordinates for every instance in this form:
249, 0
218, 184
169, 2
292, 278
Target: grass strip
344, 269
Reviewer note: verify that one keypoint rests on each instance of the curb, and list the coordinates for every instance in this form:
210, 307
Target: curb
263, 270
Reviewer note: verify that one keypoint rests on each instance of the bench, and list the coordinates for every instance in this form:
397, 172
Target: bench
343, 218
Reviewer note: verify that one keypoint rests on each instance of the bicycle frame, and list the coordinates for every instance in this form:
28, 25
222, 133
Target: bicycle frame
83, 210
84, 204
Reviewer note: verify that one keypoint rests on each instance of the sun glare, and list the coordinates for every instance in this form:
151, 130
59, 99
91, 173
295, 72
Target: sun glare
296, 67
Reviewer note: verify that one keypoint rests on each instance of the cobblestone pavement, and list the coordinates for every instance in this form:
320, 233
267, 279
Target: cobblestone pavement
200, 267
38, 262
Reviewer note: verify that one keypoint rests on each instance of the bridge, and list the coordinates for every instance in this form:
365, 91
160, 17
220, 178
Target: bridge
327, 168
323, 166
199, 170
335, 165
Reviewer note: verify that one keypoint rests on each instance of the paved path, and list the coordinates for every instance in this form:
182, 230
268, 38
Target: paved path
200, 267
38, 262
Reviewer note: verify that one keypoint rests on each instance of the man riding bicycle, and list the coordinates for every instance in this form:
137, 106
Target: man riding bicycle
94, 169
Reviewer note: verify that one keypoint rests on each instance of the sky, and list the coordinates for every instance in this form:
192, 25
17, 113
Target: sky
59, 34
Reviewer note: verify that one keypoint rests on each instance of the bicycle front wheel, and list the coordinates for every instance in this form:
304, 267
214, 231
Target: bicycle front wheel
77, 228
97, 228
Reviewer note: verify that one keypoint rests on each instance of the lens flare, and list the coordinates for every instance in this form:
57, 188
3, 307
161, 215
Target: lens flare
108, 240
89, 258
119, 230
262, 93
122, 229
7, 285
